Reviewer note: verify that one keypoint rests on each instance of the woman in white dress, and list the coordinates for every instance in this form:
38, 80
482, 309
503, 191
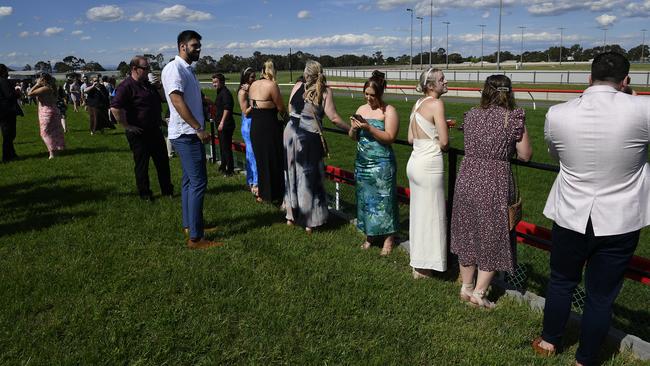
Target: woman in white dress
425, 170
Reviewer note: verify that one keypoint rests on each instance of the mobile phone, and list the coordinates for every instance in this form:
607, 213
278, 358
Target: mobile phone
359, 118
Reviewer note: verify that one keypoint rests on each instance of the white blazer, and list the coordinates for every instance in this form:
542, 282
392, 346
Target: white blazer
601, 141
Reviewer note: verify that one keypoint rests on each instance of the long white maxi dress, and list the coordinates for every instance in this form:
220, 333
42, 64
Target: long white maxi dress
428, 220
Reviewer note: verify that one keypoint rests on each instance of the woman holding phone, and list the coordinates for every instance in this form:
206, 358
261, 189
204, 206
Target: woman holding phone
375, 126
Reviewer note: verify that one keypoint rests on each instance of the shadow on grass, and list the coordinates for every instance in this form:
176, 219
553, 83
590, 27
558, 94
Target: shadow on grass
36, 205
71, 152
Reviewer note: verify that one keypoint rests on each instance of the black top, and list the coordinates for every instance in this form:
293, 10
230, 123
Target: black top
141, 101
97, 97
8, 99
297, 101
224, 102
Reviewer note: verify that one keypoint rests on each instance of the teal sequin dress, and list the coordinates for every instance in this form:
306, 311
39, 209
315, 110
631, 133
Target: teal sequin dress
375, 173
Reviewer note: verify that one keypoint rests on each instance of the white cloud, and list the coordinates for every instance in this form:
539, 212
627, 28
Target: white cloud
423, 7
605, 20
12, 54
52, 31
6, 11
167, 48
77, 32
641, 9
78, 22
181, 12
255, 27
23, 34
544, 37
85, 38
140, 16
339, 40
304, 14
105, 13
556, 7
364, 7
485, 15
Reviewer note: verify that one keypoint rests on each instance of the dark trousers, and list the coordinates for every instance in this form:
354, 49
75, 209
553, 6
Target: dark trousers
150, 144
606, 259
8, 127
225, 147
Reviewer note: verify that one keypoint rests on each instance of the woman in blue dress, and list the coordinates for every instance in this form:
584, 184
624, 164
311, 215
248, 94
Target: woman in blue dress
247, 78
375, 126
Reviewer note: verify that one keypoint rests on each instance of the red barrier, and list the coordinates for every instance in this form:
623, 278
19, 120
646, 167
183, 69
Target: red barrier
527, 233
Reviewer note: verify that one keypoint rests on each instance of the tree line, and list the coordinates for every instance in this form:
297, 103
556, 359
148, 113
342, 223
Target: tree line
296, 61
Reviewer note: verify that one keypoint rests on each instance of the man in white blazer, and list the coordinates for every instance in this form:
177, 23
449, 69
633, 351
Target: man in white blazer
599, 202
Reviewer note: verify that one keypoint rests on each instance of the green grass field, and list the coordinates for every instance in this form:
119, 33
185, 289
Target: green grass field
90, 274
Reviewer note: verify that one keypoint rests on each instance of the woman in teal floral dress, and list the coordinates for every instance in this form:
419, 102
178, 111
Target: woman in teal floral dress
375, 126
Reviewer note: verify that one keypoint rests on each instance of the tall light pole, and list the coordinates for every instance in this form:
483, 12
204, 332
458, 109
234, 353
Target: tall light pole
420, 19
499, 42
431, 35
447, 46
604, 37
411, 59
482, 29
561, 42
643, 44
521, 57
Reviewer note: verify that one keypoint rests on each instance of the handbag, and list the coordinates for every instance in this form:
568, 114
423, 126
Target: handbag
515, 209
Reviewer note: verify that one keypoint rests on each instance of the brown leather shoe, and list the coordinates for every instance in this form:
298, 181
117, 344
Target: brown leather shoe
541, 351
203, 244
206, 230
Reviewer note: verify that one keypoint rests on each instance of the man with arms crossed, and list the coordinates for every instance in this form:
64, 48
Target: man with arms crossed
137, 106
599, 202
187, 134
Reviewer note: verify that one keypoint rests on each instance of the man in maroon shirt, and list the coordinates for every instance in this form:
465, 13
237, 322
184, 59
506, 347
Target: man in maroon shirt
137, 107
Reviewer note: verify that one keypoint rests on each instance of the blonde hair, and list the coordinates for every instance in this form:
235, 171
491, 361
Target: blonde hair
428, 80
315, 84
269, 70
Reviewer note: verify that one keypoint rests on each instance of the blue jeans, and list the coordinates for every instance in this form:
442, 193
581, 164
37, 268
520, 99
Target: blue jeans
194, 183
607, 258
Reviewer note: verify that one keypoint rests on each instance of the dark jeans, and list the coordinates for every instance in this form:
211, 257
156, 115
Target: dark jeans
8, 127
225, 147
191, 151
150, 144
607, 257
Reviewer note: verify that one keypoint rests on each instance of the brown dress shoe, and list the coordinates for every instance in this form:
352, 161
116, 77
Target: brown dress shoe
202, 244
541, 351
206, 230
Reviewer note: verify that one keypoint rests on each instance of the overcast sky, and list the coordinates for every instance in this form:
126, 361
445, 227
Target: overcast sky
112, 31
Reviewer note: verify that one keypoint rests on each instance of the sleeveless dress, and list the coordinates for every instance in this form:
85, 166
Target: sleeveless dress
480, 232
49, 120
427, 216
376, 182
251, 165
266, 138
305, 198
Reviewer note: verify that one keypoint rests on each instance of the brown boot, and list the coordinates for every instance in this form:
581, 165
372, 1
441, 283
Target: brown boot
202, 244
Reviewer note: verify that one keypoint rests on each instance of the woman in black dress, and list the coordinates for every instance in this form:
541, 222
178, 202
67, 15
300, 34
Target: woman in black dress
266, 135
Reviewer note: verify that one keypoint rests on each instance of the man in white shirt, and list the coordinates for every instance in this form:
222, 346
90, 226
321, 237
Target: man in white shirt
187, 133
599, 201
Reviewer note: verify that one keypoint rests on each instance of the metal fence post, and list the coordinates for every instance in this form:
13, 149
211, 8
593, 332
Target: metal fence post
534, 77
337, 196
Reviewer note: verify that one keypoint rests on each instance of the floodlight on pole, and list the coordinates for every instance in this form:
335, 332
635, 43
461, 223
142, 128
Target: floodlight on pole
411, 58
499, 41
561, 42
643, 44
431, 35
521, 57
447, 46
421, 50
482, 30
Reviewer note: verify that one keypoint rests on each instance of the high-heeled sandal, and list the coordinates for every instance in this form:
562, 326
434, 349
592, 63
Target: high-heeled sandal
478, 299
466, 290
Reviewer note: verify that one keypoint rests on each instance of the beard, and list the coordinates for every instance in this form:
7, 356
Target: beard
194, 56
